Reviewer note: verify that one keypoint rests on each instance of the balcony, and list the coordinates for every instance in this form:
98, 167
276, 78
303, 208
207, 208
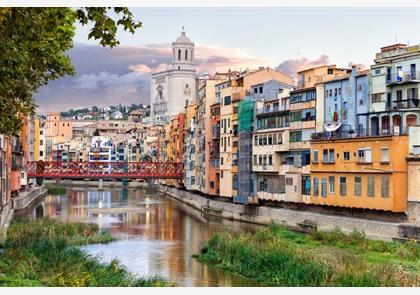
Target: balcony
272, 109
340, 134
402, 78
409, 103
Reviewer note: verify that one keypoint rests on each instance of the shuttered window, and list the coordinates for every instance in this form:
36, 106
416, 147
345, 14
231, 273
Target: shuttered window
343, 186
316, 187
371, 186
324, 187
385, 187
357, 186
282, 184
331, 181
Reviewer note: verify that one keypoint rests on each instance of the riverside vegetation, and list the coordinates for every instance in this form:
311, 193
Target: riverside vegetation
45, 253
277, 256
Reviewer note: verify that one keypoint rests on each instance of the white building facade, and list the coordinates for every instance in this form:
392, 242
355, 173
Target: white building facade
173, 89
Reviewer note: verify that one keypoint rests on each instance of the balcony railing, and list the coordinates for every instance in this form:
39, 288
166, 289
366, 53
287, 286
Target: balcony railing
267, 110
403, 77
406, 103
340, 134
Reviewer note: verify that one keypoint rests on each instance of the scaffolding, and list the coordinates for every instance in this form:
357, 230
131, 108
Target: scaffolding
245, 128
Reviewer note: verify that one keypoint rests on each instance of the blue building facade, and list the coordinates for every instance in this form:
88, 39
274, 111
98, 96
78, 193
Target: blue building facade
345, 98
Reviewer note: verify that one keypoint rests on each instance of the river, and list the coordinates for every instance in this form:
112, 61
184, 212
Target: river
156, 235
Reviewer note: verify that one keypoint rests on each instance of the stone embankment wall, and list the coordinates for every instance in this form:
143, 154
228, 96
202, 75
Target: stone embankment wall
292, 218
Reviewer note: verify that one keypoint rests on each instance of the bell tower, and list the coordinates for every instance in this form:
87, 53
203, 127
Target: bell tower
183, 53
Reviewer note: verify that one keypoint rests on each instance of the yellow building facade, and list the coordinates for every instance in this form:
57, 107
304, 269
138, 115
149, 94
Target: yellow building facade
365, 172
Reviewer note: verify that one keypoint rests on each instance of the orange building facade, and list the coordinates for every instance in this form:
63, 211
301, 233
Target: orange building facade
365, 172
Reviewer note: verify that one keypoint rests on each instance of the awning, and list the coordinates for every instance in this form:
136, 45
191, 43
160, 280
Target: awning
330, 127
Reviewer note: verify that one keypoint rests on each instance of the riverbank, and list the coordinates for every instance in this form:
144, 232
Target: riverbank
45, 253
277, 256
295, 219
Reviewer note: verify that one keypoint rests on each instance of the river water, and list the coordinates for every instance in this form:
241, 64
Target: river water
156, 234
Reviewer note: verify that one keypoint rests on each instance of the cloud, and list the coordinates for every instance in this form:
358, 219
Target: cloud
359, 66
122, 75
291, 66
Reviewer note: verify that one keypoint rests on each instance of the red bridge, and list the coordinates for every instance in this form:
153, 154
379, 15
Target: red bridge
105, 170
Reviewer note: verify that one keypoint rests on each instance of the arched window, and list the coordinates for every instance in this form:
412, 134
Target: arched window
179, 54
186, 54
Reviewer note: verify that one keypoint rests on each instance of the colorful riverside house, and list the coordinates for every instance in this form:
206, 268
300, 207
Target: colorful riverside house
306, 117
190, 144
395, 80
214, 149
231, 93
368, 172
344, 99
270, 140
206, 97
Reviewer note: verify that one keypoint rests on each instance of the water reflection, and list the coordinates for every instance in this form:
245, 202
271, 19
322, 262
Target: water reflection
157, 235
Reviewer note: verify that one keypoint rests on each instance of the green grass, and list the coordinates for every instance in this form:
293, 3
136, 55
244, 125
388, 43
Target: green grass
45, 253
54, 190
277, 256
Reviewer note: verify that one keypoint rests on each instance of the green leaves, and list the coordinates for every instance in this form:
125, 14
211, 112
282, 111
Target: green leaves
33, 43
104, 27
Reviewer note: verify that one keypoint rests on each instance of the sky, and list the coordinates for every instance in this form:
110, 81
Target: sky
235, 38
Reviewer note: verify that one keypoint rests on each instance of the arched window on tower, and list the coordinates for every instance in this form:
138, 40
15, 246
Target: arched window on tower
179, 54
186, 54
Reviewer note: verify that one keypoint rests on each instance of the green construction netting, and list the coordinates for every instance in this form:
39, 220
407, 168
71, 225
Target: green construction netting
245, 114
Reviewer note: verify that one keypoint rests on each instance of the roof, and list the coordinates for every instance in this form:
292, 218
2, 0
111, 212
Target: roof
137, 112
183, 39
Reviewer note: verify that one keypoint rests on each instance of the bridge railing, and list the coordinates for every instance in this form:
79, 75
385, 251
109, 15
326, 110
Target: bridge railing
53, 169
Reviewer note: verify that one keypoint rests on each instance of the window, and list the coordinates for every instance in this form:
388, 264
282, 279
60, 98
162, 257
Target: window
346, 156
331, 155
368, 155
270, 160
315, 159
385, 187
255, 160
226, 100
179, 54
377, 71
186, 54
330, 71
260, 160
385, 154
323, 187
357, 186
211, 184
343, 186
221, 160
377, 97
270, 139
371, 186
325, 155
316, 188
221, 174
361, 155
331, 180
261, 89
256, 140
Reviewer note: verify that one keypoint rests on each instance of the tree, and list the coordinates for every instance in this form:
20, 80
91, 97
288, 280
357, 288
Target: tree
95, 109
33, 45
